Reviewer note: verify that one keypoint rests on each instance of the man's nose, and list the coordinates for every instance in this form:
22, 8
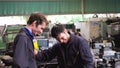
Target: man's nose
41, 31
61, 41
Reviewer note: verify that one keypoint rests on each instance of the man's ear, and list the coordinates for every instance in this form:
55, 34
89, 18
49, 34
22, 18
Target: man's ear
34, 23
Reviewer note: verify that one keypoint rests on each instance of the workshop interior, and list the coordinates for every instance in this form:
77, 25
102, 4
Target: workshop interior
98, 21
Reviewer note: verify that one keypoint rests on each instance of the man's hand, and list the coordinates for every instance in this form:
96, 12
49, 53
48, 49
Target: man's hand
35, 51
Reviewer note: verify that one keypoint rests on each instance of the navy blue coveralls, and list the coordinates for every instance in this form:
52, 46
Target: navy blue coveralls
23, 56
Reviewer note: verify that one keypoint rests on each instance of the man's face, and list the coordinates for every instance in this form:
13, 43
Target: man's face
39, 28
62, 37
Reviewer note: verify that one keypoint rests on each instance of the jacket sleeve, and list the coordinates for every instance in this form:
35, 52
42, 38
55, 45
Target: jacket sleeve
47, 55
20, 57
86, 55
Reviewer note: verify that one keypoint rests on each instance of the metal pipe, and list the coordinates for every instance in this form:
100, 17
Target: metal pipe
82, 9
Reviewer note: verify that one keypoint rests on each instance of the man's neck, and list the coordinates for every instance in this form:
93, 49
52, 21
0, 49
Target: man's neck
29, 28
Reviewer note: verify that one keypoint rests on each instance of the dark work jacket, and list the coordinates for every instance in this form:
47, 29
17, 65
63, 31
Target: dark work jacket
23, 56
75, 54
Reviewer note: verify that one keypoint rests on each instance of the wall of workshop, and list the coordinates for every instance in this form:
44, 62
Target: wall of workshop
24, 7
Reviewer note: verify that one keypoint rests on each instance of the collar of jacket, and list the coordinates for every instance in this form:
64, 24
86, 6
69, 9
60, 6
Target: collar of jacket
29, 32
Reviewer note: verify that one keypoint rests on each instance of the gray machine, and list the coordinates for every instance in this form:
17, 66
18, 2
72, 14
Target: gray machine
107, 54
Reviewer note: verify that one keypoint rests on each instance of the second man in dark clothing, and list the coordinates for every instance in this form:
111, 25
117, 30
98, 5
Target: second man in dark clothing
71, 51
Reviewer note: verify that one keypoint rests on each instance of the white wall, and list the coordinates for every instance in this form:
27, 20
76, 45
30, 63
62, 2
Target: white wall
11, 20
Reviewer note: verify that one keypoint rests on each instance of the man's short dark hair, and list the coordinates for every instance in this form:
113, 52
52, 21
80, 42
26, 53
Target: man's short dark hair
36, 16
57, 29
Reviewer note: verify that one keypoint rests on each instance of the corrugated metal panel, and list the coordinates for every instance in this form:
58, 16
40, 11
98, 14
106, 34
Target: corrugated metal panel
38, 0
102, 6
55, 7
20, 7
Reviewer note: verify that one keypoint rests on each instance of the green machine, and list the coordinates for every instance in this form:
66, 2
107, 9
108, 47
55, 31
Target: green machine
7, 35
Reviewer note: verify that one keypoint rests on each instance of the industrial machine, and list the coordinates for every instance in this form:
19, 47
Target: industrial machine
114, 32
8, 33
106, 43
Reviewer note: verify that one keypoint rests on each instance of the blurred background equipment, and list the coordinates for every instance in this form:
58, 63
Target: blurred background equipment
8, 33
106, 43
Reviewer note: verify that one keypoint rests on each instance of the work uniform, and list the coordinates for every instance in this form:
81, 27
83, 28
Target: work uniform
74, 54
23, 56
